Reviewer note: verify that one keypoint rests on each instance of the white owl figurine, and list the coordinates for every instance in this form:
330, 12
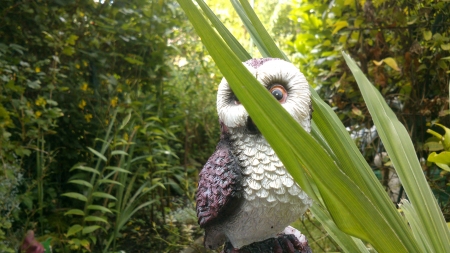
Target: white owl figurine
245, 194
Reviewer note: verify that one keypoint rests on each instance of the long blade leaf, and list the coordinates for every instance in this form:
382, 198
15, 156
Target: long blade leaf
252, 31
259, 34
403, 156
231, 41
342, 239
416, 226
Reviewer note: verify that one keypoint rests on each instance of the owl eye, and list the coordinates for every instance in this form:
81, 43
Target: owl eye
279, 92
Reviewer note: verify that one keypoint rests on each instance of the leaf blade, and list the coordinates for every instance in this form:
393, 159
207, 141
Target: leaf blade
75, 195
403, 156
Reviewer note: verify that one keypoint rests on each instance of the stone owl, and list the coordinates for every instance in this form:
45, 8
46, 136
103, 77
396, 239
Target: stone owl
245, 195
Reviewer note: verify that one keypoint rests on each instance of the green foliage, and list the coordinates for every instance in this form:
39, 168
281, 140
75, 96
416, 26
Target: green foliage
439, 143
9, 203
405, 56
96, 133
344, 187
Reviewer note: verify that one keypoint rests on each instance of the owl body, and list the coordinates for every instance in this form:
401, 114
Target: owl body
245, 193
272, 199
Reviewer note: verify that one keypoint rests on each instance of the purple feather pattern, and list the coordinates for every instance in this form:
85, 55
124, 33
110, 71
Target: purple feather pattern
219, 187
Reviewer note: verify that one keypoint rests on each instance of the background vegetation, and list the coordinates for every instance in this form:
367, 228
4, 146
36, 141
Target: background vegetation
107, 113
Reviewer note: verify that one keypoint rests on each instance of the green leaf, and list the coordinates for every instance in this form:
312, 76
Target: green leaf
85, 243
99, 208
46, 245
446, 137
96, 219
338, 26
389, 61
74, 229
344, 241
445, 46
416, 225
435, 134
90, 229
260, 36
125, 121
130, 211
84, 168
109, 181
81, 182
175, 186
72, 39
250, 28
20, 151
103, 195
359, 20
99, 155
427, 35
74, 212
119, 152
117, 169
75, 195
443, 157
34, 84
443, 166
433, 146
68, 50
231, 41
392, 63
134, 61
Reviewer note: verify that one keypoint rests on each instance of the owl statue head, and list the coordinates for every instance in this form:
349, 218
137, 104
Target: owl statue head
282, 79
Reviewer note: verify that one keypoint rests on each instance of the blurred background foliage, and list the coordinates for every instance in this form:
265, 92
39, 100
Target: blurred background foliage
403, 47
108, 112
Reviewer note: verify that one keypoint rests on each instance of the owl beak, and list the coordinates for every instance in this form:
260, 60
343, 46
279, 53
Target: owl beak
251, 127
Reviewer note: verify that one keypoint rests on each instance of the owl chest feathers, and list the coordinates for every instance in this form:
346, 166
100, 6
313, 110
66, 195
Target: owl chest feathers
265, 178
272, 199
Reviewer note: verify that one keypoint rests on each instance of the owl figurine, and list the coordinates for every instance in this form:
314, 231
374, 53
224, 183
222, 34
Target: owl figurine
246, 197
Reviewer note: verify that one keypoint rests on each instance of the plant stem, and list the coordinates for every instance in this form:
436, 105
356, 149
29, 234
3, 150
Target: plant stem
40, 179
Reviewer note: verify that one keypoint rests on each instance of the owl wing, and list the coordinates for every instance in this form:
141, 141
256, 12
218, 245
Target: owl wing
219, 187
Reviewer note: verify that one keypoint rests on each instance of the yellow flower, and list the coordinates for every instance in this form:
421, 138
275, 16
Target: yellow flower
77, 66
88, 117
114, 101
119, 90
40, 101
38, 114
82, 104
84, 87
125, 136
38, 69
